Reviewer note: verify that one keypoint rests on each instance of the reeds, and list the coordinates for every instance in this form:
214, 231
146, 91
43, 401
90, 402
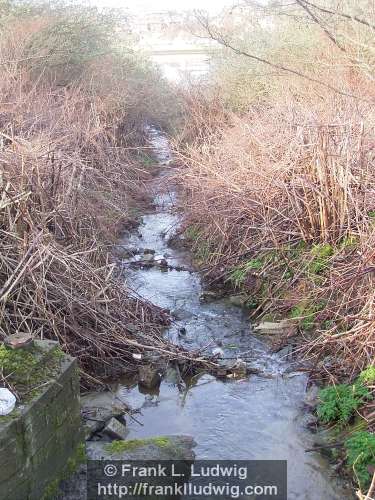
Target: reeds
283, 175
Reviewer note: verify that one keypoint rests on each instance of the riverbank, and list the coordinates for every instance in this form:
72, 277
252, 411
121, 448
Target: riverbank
73, 168
245, 221
281, 216
276, 162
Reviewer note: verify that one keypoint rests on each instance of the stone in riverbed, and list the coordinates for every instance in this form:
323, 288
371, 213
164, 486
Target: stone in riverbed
163, 263
237, 300
151, 449
148, 257
148, 260
115, 429
148, 376
143, 453
97, 408
239, 368
154, 448
284, 328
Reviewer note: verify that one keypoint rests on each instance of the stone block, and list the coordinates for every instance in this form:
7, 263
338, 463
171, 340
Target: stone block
37, 439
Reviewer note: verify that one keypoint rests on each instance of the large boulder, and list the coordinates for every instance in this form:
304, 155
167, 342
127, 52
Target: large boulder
141, 451
154, 448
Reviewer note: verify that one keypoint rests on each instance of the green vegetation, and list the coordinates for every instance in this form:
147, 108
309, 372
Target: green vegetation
349, 242
321, 254
146, 159
360, 450
238, 274
306, 313
27, 369
367, 376
192, 233
77, 459
338, 403
119, 446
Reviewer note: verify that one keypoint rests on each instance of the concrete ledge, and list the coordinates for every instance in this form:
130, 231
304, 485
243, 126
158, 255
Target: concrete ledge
37, 439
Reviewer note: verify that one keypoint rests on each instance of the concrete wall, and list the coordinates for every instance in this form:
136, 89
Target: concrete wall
37, 440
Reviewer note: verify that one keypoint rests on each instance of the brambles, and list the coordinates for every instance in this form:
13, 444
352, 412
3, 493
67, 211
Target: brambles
284, 164
74, 101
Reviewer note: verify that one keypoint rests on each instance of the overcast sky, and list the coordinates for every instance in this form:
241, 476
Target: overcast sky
158, 5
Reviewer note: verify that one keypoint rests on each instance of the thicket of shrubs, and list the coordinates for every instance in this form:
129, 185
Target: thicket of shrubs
278, 155
277, 170
74, 99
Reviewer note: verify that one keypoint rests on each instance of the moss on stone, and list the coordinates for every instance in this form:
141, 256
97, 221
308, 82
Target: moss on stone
77, 459
120, 446
28, 370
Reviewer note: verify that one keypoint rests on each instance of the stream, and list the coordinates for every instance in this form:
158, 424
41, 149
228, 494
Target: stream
260, 417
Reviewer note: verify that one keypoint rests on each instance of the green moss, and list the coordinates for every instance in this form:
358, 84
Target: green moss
51, 491
349, 242
132, 444
306, 313
161, 441
360, 450
371, 214
322, 250
28, 369
17, 362
78, 458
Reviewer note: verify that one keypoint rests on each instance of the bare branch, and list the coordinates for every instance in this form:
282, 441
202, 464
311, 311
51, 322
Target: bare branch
333, 39
340, 14
218, 37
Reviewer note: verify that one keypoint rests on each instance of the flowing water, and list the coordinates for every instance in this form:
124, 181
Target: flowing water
260, 417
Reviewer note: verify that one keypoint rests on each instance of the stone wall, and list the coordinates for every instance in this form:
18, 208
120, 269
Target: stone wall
37, 440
